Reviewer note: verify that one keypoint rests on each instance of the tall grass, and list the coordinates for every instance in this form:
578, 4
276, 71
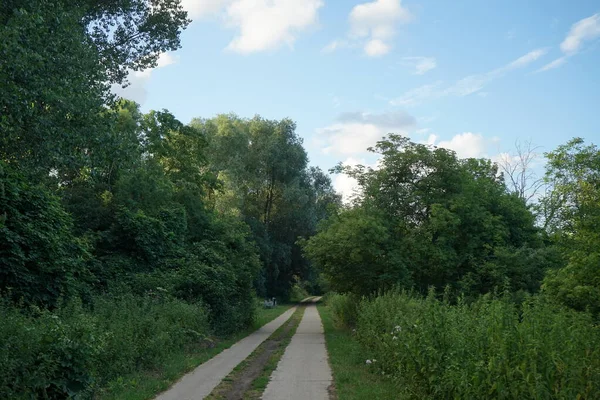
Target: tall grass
74, 350
489, 349
344, 308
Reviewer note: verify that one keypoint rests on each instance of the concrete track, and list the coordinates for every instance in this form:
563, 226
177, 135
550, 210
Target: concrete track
303, 373
200, 382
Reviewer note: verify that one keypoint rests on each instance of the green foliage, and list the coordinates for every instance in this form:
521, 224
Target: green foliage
351, 379
484, 350
572, 215
51, 90
356, 252
179, 223
298, 293
266, 181
40, 258
427, 218
344, 308
63, 55
73, 350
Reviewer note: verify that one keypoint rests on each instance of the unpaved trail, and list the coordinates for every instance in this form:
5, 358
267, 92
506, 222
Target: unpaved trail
303, 373
200, 382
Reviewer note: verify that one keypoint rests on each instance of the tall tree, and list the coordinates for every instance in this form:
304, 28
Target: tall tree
266, 181
443, 221
58, 60
573, 217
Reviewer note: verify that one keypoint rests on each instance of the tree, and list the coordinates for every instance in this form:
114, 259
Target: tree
357, 253
518, 171
265, 180
40, 258
573, 220
450, 222
57, 61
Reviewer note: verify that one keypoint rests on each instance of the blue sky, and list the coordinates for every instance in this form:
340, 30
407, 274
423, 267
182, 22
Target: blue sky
472, 75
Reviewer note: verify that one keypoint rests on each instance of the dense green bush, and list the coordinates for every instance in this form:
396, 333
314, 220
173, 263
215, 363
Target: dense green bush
40, 258
73, 350
298, 293
488, 349
344, 308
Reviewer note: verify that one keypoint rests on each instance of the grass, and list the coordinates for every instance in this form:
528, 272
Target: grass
264, 359
352, 378
147, 384
491, 348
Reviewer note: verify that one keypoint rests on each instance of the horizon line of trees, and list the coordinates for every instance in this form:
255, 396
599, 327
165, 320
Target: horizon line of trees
425, 218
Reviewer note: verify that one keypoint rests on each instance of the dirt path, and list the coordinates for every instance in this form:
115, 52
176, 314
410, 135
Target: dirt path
303, 373
199, 383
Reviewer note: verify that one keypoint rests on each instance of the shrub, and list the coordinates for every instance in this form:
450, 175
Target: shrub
484, 350
344, 308
298, 293
73, 350
40, 258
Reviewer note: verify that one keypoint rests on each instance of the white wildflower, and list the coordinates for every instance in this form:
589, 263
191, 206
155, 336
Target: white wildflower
395, 338
368, 362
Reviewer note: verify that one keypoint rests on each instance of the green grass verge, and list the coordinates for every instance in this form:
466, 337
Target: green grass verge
144, 385
353, 380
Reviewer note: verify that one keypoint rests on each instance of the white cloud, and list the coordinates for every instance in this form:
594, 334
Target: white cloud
373, 25
431, 139
582, 31
350, 137
420, 65
418, 95
345, 184
136, 89
269, 24
467, 85
354, 132
554, 64
261, 24
165, 59
376, 48
334, 45
466, 145
525, 60
201, 8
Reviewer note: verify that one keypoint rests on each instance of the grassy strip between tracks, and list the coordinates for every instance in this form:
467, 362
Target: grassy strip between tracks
250, 378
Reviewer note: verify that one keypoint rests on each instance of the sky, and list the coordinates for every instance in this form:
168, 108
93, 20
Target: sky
472, 76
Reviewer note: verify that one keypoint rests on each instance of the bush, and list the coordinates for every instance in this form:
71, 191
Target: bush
298, 293
344, 308
73, 350
40, 258
484, 350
